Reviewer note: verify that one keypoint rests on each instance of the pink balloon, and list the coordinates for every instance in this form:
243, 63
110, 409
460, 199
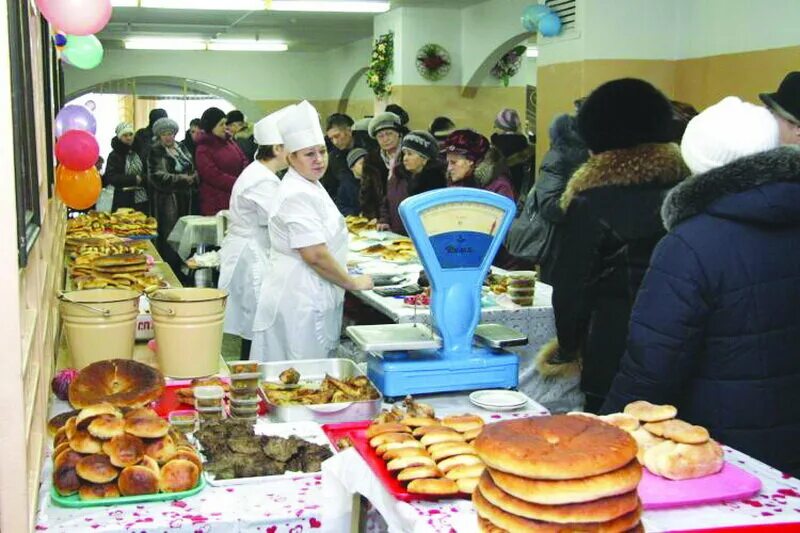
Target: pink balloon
76, 17
77, 150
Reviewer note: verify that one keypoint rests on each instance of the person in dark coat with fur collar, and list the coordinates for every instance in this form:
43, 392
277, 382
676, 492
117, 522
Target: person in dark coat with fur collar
419, 171
610, 227
473, 162
126, 171
715, 330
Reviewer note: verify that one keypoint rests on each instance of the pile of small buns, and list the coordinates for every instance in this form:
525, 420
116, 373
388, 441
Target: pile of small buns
101, 453
433, 456
557, 473
668, 447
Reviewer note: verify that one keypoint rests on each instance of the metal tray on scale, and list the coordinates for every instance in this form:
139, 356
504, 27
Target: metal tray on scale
394, 337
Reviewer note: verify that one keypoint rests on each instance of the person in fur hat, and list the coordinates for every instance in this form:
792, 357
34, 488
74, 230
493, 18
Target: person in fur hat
473, 162
715, 327
610, 227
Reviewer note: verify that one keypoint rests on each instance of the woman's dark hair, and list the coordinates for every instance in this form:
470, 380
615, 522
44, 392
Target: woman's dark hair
265, 152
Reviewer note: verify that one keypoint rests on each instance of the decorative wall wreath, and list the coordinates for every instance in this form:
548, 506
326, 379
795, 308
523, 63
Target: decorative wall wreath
508, 65
433, 62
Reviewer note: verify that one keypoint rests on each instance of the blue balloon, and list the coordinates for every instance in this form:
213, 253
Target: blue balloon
60, 39
532, 15
550, 25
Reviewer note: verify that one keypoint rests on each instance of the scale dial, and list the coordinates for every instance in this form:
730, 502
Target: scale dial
461, 232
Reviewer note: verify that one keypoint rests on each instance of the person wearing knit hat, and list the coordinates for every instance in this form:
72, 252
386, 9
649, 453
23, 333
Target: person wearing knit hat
507, 120
165, 125
440, 128
300, 306
400, 112
354, 156
219, 162
244, 252
144, 136
611, 224
473, 162
715, 324
515, 148
420, 170
125, 172
785, 105
242, 133
388, 131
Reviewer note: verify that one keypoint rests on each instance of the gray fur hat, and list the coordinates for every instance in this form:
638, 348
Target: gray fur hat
384, 121
164, 125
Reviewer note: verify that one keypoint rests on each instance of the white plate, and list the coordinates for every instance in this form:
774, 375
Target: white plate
358, 245
498, 400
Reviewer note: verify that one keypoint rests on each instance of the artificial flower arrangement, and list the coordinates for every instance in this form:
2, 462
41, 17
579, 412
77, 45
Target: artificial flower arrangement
381, 64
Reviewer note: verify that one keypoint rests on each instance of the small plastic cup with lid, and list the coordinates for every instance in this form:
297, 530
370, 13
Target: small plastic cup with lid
521, 279
208, 396
184, 421
243, 367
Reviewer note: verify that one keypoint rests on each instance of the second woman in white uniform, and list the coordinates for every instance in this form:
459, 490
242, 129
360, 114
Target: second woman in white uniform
299, 313
245, 250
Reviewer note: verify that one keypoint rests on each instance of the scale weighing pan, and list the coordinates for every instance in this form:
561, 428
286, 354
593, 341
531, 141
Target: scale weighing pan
393, 337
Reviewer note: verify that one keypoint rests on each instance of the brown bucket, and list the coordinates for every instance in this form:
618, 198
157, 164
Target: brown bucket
99, 324
188, 323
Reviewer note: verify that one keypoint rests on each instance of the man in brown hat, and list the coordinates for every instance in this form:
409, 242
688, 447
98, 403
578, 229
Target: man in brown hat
785, 105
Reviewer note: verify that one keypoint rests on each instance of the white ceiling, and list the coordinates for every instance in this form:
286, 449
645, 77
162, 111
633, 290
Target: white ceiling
309, 32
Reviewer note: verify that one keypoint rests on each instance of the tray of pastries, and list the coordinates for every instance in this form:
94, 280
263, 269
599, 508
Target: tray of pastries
123, 222
103, 456
119, 271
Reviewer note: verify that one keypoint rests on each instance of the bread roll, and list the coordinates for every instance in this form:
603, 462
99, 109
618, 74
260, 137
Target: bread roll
644, 440
383, 438
648, 412
472, 434
60, 448
405, 452
93, 491
58, 421
83, 442
679, 431
135, 480
448, 449
124, 450
463, 423
390, 427
622, 421
677, 461
466, 471
383, 448
445, 435
96, 468
140, 412
152, 464
147, 428
418, 421
60, 437
467, 485
424, 430
419, 472
89, 412
70, 426
438, 487
106, 426
458, 460
178, 475
65, 478
407, 462
187, 455
161, 449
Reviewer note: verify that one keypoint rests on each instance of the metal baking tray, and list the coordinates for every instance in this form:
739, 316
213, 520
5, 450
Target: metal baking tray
313, 371
394, 337
499, 336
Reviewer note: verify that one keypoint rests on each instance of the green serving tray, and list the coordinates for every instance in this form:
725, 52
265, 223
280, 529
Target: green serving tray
74, 501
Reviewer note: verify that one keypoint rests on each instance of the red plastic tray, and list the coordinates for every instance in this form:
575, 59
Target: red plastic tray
169, 401
357, 432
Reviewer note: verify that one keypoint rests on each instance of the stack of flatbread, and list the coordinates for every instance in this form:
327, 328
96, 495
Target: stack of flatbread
121, 271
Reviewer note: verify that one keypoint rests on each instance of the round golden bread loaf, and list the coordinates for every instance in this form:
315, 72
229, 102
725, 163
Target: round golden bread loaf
466, 471
439, 487
443, 435
65, 477
601, 510
555, 447
484, 526
505, 520
384, 448
450, 463
94, 491
419, 472
649, 412
147, 428
124, 450
407, 462
91, 411
96, 468
443, 450
120, 382
674, 460
405, 452
419, 421
135, 480
383, 438
463, 423
83, 442
389, 427
161, 449
106, 427
178, 475
679, 431
467, 485
560, 492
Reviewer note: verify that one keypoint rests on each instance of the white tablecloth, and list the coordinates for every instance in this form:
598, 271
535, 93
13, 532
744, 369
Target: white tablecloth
191, 231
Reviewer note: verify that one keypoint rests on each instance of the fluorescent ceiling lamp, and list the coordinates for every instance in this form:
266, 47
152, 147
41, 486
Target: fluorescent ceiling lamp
247, 46
331, 6
219, 5
532, 51
125, 3
159, 43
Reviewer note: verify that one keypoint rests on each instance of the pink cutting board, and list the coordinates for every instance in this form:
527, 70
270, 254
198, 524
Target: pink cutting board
730, 483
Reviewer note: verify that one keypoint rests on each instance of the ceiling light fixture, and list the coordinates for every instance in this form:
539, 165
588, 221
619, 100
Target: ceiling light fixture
329, 6
160, 43
219, 5
125, 3
231, 45
532, 51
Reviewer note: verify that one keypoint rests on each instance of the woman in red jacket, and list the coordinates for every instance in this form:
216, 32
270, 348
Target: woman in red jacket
219, 162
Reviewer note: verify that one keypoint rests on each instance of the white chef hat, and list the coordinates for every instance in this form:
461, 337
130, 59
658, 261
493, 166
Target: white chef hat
300, 127
266, 131
726, 131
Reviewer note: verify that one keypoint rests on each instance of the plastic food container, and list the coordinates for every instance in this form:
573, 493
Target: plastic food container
208, 396
244, 410
210, 414
521, 278
243, 367
245, 402
184, 421
248, 393
526, 301
247, 380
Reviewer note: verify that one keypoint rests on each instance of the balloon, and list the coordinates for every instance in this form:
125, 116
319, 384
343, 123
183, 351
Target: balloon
532, 14
79, 189
83, 52
90, 105
77, 150
76, 17
550, 25
75, 117
60, 39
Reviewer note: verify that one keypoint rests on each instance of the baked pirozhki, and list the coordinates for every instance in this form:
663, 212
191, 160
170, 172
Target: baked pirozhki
88, 413
96, 468
95, 491
405, 452
466, 471
419, 421
419, 472
678, 461
147, 428
448, 449
436, 487
384, 438
407, 462
106, 426
458, 460
679, 431
65, 477
467, 485
390, 427
161, 449
622, 421
383, 448
649, 412
178, 475
443, 435
463, 423
424, 430
124, 450
136, 480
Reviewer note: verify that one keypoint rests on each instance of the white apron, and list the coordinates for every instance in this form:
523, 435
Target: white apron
245, 249
299, 313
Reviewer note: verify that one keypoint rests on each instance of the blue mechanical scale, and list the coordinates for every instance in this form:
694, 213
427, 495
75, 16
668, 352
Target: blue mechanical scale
457, 233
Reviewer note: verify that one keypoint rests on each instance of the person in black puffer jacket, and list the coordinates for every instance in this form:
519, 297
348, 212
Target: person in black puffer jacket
126, 171
716, 329
611, 225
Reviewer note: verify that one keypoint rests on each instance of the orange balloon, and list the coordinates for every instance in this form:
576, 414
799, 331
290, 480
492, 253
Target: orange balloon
79, 189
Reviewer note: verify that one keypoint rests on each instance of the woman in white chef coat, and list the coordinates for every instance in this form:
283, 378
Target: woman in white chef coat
245, 250
299, 313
